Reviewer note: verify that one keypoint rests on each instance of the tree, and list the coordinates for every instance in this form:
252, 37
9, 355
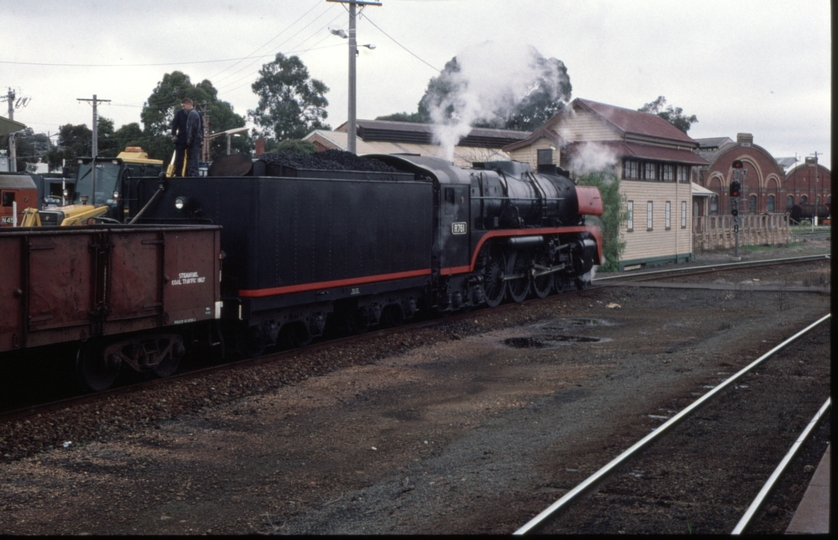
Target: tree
291, 104
612, 218
543, 88
159, 111
295, 146
30, 148
402, 117
673, 115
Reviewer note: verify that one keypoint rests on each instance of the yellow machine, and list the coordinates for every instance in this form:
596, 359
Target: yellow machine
100, 190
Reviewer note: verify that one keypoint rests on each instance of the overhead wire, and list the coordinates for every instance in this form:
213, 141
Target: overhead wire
367, 17
270, 40
277, 48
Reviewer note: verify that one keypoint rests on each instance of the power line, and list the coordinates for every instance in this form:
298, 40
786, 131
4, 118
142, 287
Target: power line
280, 45
367, 17
270, 40
180, 63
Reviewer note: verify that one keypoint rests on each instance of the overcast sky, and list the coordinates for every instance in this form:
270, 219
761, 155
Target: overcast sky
760, 67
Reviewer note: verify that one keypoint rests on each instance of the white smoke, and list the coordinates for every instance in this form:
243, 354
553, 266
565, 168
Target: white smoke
493, 79
591, 157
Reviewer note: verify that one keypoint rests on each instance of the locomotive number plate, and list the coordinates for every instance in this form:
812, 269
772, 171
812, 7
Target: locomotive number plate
458, 227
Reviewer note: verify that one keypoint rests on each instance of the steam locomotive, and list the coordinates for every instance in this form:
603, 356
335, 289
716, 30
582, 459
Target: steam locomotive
304, 247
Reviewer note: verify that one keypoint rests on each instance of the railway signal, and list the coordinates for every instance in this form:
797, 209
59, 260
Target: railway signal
735, 191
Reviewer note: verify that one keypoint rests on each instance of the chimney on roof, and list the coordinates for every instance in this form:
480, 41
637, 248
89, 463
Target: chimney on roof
260, 147
745, 139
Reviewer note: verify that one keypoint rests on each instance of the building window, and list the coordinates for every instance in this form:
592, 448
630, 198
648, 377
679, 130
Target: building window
789, 202
631, 169
668, 173
545, 156
649, 171
714, 204
804, 199
667, 220
8, 198
770, 203
684, 214
752, 204
630, 216
649, 209
683, 174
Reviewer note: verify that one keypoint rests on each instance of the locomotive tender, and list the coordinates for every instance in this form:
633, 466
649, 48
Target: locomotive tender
304, 247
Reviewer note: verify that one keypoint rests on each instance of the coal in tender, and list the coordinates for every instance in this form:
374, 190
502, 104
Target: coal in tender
330, 160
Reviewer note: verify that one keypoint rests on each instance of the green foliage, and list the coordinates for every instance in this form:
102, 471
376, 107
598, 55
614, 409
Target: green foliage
547, 98
295, 146
673, 115
30, 148
402, 117
612, 218
159, 111
291, 104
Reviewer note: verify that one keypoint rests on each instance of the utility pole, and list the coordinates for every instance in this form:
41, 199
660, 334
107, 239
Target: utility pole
95, 149
10, 97
206, 121
353, 51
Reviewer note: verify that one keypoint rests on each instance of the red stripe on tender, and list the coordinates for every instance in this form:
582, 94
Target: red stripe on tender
258, 293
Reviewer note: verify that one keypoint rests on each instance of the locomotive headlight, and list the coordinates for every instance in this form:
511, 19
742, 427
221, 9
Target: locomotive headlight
180, 203
65, 193
116, 195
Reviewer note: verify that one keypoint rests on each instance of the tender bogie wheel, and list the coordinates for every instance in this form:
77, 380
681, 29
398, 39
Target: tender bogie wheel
249, 341
494, 287
295, 335
542, 286
94, 372
391, 316
519, 288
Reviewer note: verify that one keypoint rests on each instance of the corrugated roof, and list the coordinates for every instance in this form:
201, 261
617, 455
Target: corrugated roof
642, 151
464, 156
410, 132
629, 121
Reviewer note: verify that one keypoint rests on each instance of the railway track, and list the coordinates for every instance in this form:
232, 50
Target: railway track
645, 489
32, 402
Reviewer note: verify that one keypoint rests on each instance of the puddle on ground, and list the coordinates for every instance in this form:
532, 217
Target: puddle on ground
548, 341
557, 333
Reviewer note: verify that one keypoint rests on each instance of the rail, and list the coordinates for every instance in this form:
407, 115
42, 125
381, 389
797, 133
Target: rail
592, 481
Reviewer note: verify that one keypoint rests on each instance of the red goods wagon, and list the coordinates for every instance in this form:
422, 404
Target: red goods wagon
125, 294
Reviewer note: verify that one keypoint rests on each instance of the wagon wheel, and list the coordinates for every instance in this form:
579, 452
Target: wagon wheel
543, 285
93, 370
171, 361
518, 265
494, 286
560, 283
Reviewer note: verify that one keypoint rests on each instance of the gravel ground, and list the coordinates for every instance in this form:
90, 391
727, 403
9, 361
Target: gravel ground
442, 430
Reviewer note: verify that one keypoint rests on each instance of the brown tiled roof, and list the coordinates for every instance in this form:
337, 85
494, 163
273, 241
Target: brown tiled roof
642, 151
636, 122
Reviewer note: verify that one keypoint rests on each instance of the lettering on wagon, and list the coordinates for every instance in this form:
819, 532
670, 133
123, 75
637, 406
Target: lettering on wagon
188, 278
